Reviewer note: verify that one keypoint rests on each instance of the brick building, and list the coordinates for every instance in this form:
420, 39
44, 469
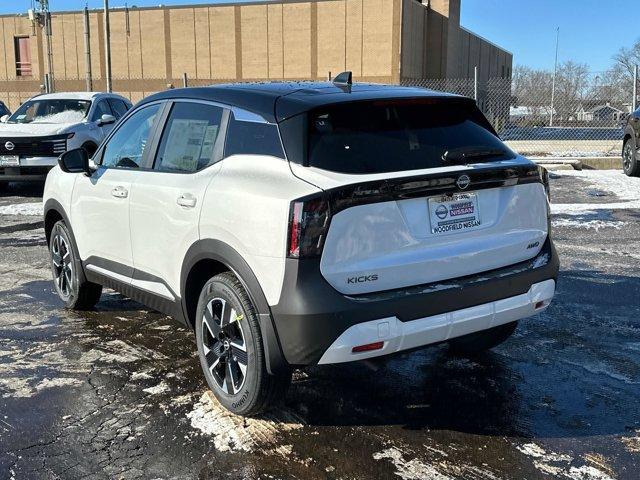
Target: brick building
153, 48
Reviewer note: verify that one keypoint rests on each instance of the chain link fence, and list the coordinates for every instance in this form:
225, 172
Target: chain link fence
580, 116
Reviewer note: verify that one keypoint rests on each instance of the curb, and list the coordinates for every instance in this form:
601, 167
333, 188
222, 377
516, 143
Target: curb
579, 163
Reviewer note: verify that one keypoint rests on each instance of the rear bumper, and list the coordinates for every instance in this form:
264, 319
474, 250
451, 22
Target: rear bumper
396, 336
312, 316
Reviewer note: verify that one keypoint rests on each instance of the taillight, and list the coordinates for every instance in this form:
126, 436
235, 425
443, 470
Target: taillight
544, 177
308, 225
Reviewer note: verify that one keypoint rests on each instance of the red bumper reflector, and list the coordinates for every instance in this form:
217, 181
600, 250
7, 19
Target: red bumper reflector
368, 347
538, 305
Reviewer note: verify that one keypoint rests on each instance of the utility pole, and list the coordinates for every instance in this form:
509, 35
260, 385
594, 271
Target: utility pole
634, 103
107, 44
553, 82
42, 17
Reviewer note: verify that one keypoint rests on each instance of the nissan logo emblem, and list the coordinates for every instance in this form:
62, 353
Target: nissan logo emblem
463, 181
9, 146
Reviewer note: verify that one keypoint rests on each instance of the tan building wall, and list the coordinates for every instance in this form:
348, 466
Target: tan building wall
152, 48
434, 46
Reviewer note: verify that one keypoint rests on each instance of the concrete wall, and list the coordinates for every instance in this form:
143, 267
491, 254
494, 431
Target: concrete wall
292, 40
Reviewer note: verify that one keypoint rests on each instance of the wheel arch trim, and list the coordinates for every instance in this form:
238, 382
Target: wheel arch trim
53, 205
219, 251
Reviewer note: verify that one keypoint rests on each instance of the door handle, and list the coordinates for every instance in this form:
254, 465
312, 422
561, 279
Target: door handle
119, 192
187, 200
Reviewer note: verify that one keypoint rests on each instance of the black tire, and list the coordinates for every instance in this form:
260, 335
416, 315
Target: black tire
230, 341
630, 161
71, 286
476, 343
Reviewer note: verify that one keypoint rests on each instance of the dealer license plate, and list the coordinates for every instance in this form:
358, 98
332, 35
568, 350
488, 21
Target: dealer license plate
9, 161
454, 213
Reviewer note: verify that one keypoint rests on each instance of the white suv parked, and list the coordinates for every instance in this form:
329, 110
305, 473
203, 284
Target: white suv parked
46, 126
294, 224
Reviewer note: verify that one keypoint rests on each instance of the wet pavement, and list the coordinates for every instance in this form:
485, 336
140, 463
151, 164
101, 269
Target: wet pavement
118, 393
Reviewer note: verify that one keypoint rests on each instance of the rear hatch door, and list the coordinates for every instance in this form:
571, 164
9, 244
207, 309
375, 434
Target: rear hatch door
411, 203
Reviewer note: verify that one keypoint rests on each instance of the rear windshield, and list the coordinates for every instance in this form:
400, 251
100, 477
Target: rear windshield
398, 135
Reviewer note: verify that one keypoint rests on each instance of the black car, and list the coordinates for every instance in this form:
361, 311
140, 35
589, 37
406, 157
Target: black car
630, 156
4, 110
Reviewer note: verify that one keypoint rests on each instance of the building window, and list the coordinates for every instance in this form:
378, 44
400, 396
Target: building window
23, 56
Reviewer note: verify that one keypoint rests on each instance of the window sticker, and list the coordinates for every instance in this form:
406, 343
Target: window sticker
210, 136
183, 146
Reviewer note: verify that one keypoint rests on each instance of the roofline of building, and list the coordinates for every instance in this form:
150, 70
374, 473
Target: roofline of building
176, 7
485, 40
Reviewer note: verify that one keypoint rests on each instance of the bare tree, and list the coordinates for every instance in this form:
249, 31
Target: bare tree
572, 87
627, 58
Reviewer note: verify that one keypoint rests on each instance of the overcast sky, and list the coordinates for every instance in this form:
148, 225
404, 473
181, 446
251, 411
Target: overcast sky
591, 31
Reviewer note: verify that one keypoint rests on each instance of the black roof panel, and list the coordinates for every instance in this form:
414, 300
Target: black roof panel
276, 101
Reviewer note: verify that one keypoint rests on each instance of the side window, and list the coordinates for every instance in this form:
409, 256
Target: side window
125, 148
118, 107
189, 137
102, 108
252, 138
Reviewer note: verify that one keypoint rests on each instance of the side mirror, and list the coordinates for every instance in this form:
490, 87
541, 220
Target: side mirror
4, 118
106, 120
75, 161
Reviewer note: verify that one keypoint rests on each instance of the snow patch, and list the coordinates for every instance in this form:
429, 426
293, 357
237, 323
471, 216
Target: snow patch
560, 465
31, 209
162, 387
588, 224
233, 433
613, 181
413, 469
68, 116
632, 444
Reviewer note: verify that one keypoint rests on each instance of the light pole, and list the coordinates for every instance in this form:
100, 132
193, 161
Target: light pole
107, 45
553, 81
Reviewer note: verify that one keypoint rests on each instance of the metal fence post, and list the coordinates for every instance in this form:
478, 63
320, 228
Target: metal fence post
107, 45
475, 83
634, 102
87, 51
185, 80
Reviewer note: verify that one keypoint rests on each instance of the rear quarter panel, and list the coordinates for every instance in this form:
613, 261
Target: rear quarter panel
247, 207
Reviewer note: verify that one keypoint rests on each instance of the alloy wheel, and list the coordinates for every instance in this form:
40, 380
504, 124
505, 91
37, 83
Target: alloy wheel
62, 260
224, 345
627, 156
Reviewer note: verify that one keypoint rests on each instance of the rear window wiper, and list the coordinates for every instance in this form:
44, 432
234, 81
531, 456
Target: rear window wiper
464, 154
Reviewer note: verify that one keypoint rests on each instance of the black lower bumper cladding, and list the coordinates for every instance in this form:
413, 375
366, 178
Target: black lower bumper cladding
311, 314
23, 174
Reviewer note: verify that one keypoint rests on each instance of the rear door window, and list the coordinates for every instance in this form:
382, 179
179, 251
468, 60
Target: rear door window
398, 135
190, 137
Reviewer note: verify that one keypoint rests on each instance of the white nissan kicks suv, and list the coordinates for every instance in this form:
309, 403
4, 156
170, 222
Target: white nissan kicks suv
45, 126
296, 224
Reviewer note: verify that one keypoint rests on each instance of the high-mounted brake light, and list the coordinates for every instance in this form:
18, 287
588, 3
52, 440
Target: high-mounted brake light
308, 225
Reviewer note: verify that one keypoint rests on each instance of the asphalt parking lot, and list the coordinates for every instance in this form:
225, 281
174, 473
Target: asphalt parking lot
118, 393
